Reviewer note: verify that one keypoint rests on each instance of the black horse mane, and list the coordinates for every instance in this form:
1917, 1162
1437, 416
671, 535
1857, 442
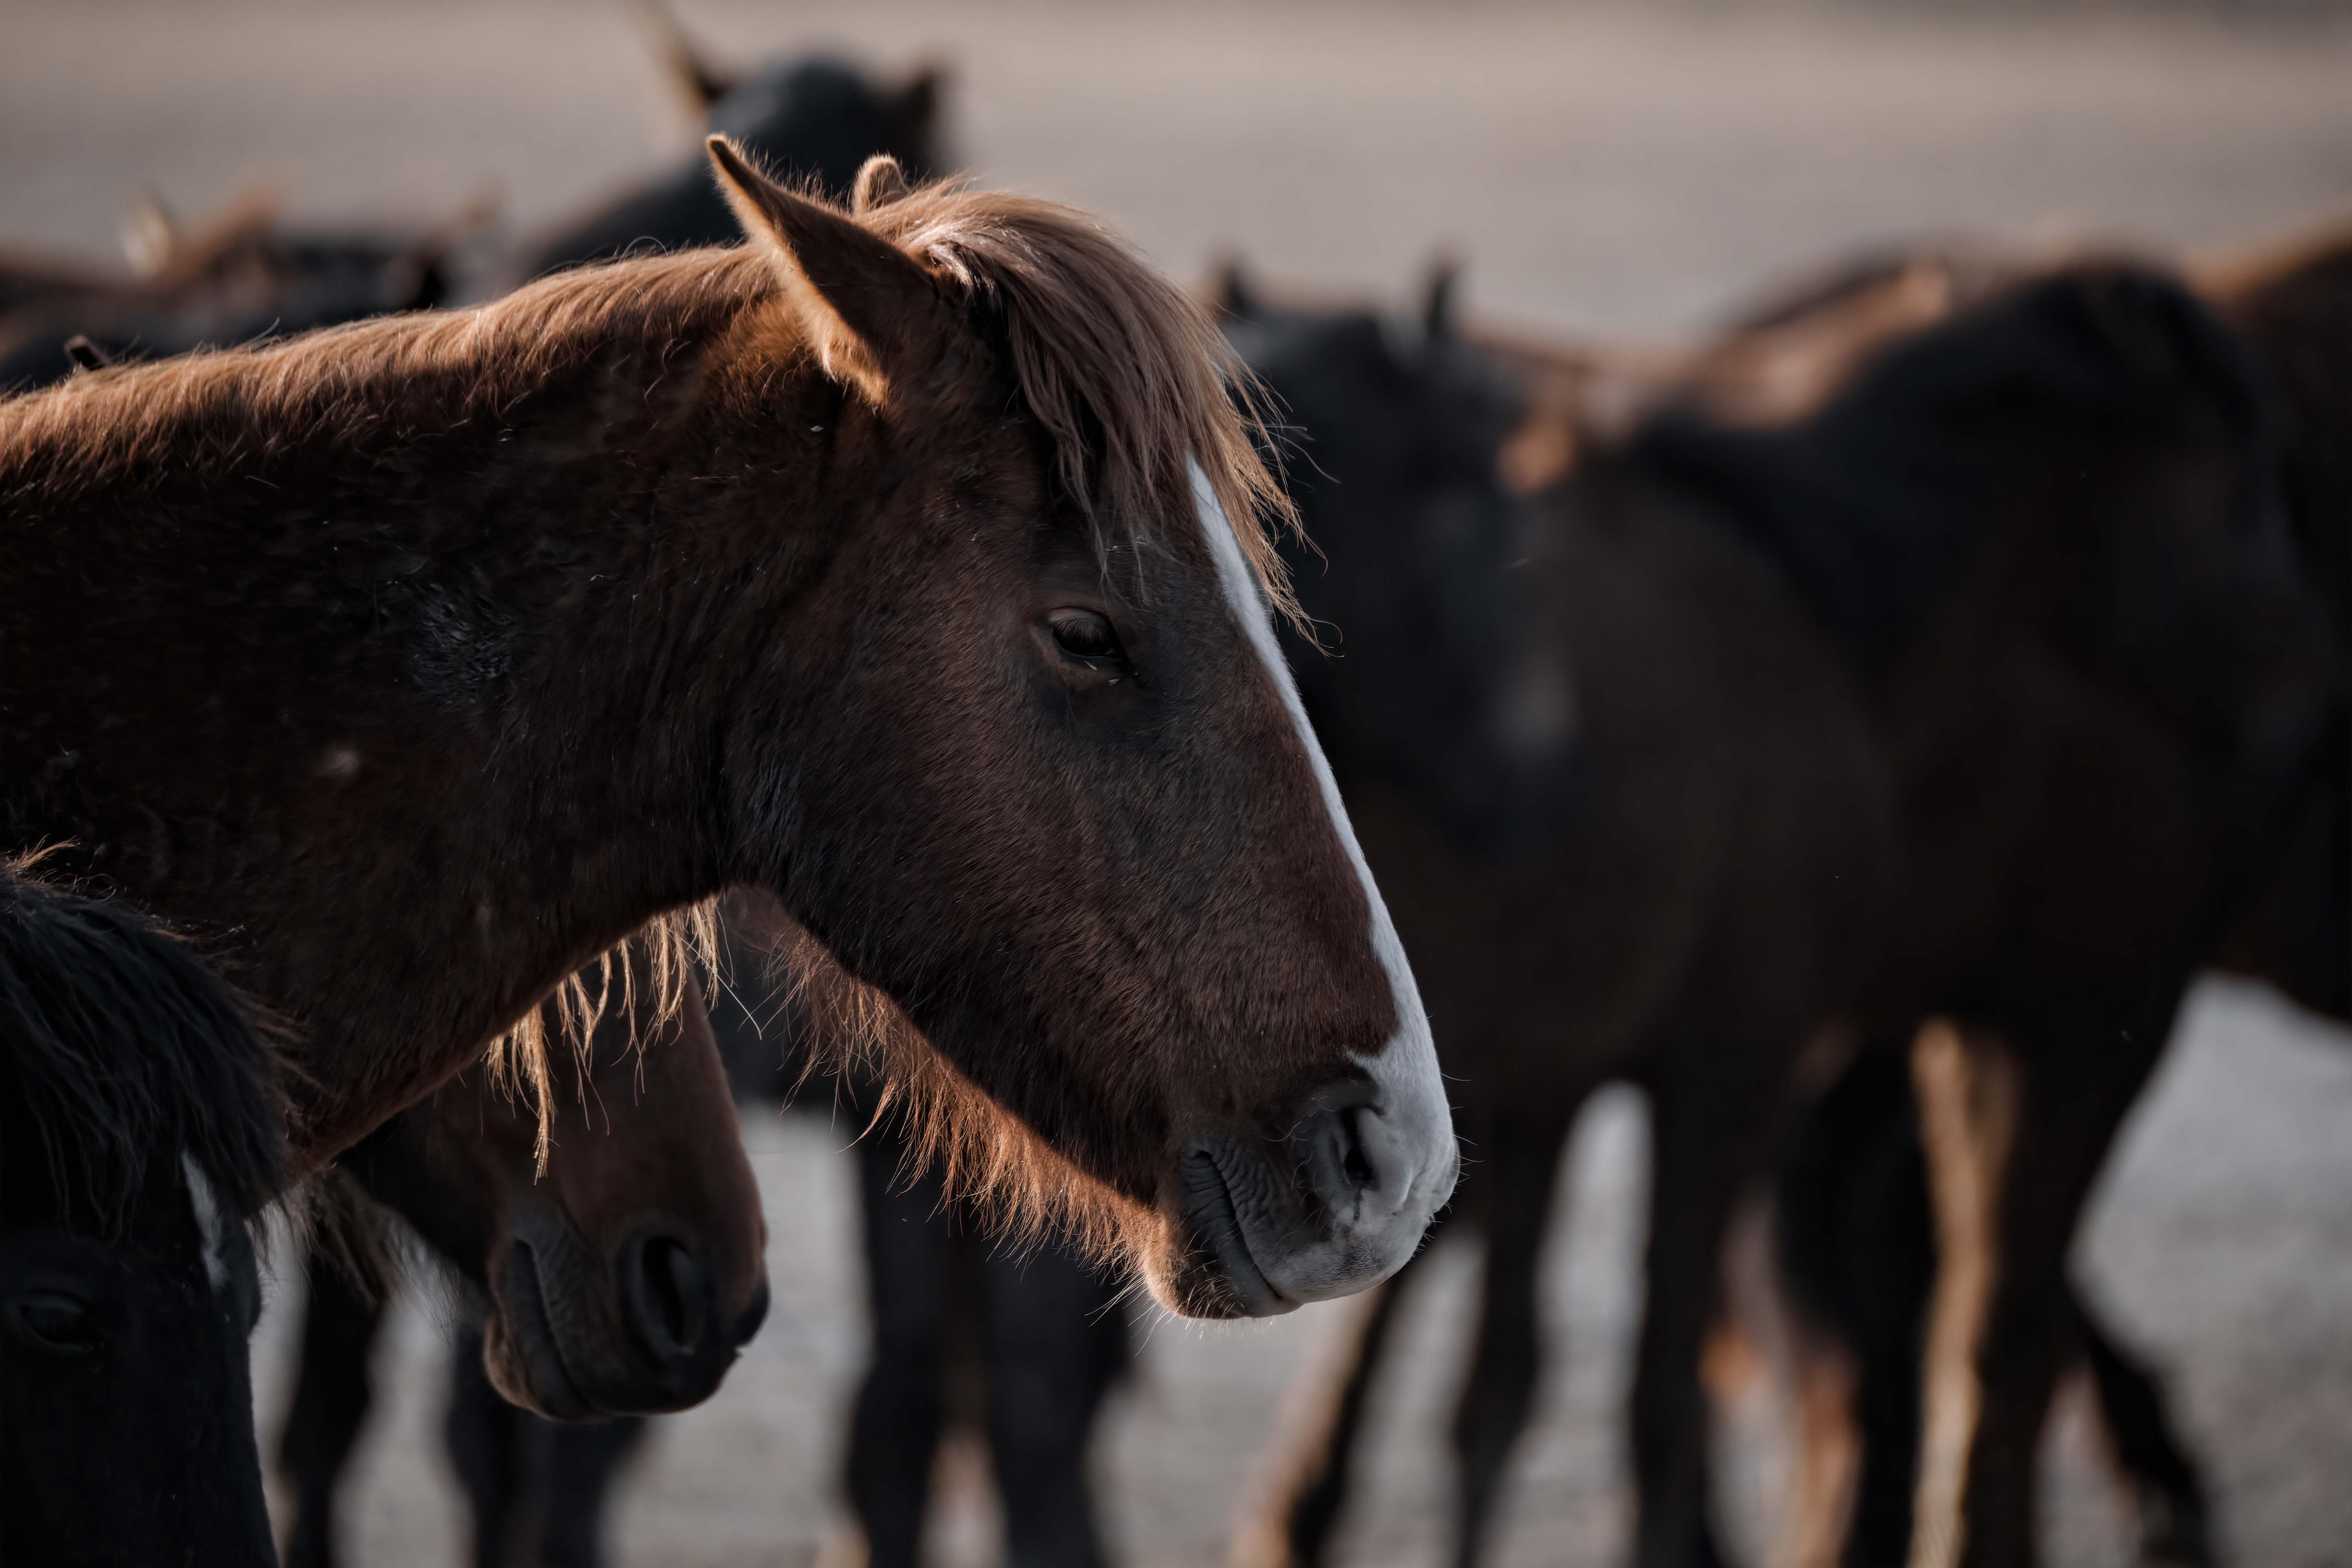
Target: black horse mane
1872, 505
122, 1050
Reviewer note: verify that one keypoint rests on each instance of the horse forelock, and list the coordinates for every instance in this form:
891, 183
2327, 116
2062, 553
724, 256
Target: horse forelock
1127, 373
126, 1051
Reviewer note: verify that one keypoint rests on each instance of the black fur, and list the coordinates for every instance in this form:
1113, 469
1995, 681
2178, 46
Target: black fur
1871, 506
815, 121
122, 1048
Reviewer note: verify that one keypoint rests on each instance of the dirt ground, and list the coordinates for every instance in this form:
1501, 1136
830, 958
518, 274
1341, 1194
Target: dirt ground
1619, 172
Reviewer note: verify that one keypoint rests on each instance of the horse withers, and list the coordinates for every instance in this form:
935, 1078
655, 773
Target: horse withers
909, 563
139, 1137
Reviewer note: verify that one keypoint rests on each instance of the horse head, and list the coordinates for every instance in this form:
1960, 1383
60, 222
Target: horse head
623, 1257
1074, 821
139, 1136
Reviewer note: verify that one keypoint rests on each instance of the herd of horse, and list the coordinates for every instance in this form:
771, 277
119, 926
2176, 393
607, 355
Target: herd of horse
810, 628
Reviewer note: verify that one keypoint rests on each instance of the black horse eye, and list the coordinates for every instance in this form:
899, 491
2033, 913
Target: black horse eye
1084, 635
57, 1323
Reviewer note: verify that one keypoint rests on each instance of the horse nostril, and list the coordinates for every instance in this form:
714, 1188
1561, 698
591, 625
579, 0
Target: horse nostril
1356, 1163
668, 1291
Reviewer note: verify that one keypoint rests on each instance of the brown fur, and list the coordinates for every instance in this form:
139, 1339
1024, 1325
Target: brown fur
472, 641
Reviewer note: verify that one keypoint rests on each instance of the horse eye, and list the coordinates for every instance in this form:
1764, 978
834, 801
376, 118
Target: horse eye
1084, 635
57, 1323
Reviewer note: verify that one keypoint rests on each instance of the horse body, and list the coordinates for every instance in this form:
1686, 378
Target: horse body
2295, 314
1627, 809
241, 277
2039, 539
2103, 723
138, 1139
427, 659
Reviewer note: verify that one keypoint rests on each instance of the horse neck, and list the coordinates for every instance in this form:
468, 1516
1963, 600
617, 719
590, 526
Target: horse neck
418, 694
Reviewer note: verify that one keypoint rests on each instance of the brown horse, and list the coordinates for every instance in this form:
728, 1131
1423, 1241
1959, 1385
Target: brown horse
622, 1277
907, 563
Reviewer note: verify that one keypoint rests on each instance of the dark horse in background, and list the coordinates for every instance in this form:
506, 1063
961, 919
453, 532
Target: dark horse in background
2102, 723
139, 1140
243, 276
812, 123
1621, 789
2037, 541
1856, 1231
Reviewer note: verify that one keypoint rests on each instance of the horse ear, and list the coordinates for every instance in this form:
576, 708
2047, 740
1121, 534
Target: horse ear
1235, 298
1437, 304
870, 307
915, 108
879, 182
698, 84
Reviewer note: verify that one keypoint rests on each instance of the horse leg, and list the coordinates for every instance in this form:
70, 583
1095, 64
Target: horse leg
331, 1394
2015, 1137
582, 1460
1042, 1324
1518, 1178
1856, 1234
1704, 1146
2175, 1520
496, 1450
894, 1428
1292, 1524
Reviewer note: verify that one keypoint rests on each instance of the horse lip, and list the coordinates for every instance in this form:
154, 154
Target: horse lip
532, 1330
1208, 1204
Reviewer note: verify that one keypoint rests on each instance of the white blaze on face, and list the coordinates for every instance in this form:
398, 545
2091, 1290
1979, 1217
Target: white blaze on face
209, 1222
1411, 1128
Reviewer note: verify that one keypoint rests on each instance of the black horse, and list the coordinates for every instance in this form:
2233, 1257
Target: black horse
139, 1138
813, 120
1856, 1231
2073, 678
1633, 828
245, 275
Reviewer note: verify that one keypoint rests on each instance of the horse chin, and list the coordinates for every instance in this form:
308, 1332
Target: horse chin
520, 1349
1205, 1266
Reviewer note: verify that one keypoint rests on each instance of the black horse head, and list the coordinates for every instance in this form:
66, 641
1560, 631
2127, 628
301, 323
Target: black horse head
138, 1138
1436, 675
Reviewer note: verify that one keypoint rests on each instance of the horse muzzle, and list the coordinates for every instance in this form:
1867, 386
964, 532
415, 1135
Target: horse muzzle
574, 1338
1262, 1226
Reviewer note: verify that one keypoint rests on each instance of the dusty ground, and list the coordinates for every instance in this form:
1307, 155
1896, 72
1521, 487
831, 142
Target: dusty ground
1613, 171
